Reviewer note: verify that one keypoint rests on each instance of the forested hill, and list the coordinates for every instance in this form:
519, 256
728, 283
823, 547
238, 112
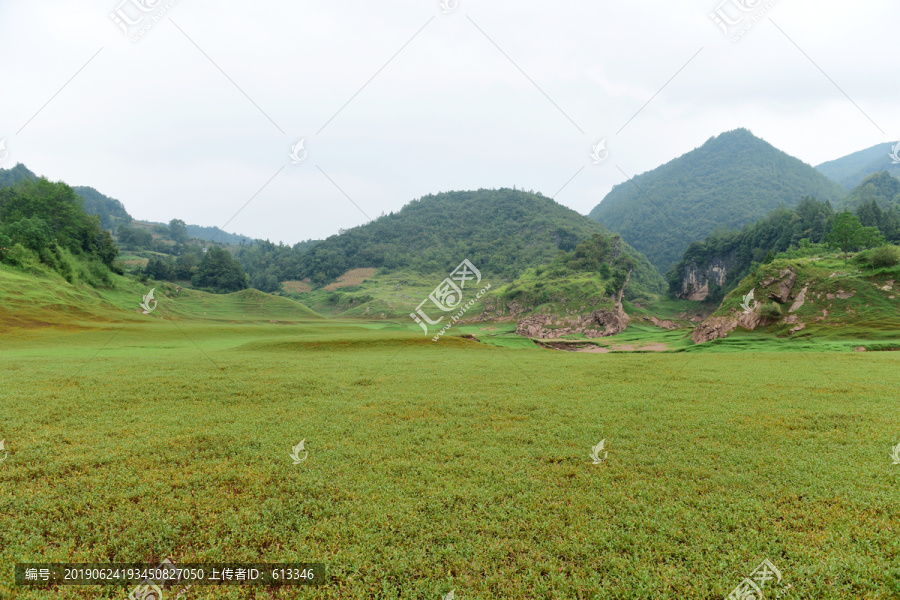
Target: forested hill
111, 212
881, 188
502, 232
732, 180
851, 170
14, 175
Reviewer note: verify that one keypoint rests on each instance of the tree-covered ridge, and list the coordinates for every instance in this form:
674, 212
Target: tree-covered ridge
597, 270
810, 222
732, 180
880, 187
501, 231
14, 175
851, 170
111, 212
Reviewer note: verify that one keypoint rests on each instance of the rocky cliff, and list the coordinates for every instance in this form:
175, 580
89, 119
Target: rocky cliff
789, 296
597, 323
696, 279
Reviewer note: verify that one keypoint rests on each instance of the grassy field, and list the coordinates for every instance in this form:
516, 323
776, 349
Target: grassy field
433, 467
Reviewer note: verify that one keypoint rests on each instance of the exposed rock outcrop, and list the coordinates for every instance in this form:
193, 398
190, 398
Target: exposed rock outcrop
786, 280
801, 299
554, 326
547, 327
696, 280
719, 327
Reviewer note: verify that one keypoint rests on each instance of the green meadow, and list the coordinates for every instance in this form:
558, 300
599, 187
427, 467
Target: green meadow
457, 465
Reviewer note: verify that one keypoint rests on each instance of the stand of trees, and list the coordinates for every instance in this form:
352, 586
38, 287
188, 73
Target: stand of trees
810, 222
43, 222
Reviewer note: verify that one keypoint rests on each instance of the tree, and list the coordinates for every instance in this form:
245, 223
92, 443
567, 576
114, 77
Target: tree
137, 238
220, 272
32, 233
178, 231
848, 233
159, 269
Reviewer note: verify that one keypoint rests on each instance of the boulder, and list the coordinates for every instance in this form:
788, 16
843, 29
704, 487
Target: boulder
787, 278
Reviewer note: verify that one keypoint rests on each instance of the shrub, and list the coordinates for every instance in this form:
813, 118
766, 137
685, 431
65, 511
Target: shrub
771, 311
885, 256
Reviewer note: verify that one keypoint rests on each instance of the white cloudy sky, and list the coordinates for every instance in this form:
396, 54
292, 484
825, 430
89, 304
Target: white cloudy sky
196, 117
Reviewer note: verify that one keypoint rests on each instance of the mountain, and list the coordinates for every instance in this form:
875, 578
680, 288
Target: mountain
213, 234
731, 180
111, 212
14, 175
851, 170
502, 232
880, 187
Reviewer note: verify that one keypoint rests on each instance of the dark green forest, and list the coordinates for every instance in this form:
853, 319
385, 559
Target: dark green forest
733, 180
811, 222
502, 231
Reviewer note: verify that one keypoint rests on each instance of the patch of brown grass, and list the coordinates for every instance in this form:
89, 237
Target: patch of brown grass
298, 287
351, 277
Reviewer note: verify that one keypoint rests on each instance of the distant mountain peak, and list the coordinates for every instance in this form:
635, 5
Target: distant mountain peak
733, 179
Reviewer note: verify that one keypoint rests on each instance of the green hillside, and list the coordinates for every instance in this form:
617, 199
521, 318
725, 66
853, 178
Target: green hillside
111, 212
14, 175
849, 171
826, 298
879, 187
732, 180
45, 300
502, 232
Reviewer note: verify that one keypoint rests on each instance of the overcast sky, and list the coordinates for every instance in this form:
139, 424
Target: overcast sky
196, 116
